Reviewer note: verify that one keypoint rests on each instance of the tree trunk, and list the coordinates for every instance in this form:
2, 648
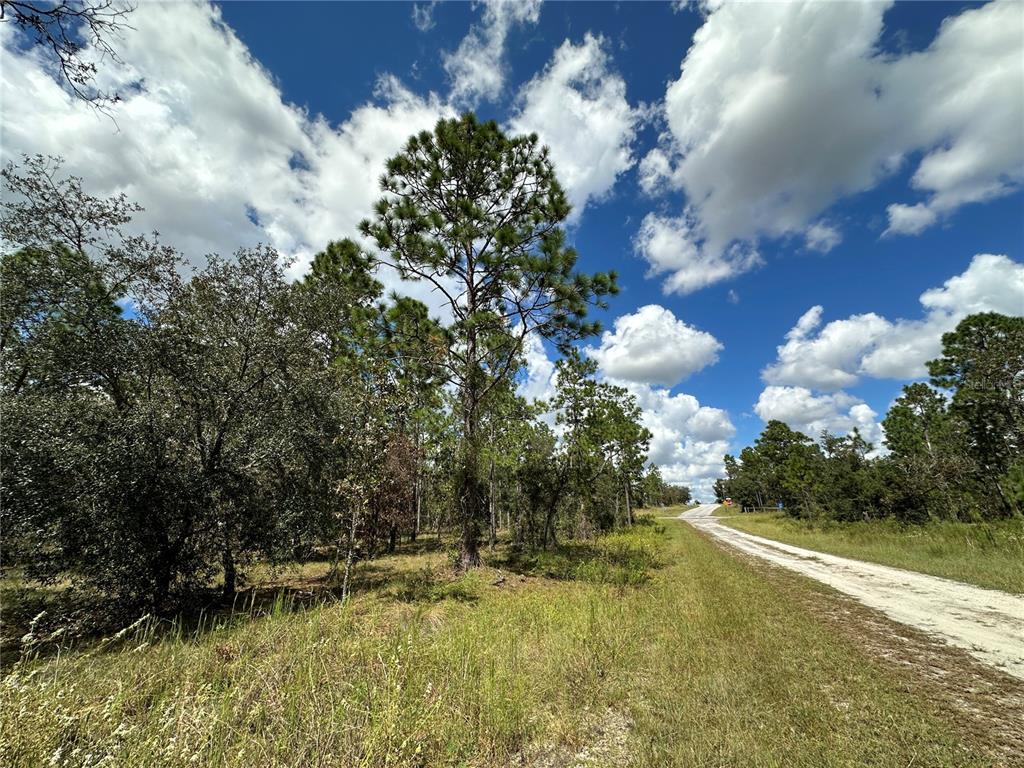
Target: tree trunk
549, 527
493, 538
393, 538
1007, 506
417, 501
416, 489
629, 508
161, 581
349, 554
230, 575
471, 502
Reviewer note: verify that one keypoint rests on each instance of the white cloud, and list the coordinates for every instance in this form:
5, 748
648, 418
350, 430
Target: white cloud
964, 96
800, 409
539, 381
656, 172
781, 109
842, 351
647, 352
909, 219
836, 355
477, 67
672, 246
204, 140
207, 144
822, 237
341, 184
577, 106
992, 283
423, 15
688, 440
652, 346
829, 360
193, 150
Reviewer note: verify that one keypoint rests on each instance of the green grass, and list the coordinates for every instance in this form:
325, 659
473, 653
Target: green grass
622, 558
987, 554
650, 648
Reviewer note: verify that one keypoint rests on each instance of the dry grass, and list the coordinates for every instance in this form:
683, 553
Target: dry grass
702, 662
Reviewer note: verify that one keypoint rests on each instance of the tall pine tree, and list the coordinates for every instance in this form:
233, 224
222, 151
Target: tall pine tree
479, 215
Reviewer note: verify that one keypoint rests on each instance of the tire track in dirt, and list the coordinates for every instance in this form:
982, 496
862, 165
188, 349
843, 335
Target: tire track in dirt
987, 623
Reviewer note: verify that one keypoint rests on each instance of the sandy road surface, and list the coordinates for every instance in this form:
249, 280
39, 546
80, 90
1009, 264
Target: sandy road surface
989, 624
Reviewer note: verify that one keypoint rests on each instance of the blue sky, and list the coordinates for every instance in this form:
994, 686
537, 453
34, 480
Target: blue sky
738, 165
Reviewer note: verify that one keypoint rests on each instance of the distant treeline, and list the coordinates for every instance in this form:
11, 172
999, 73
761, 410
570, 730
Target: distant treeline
955, 448
164, 427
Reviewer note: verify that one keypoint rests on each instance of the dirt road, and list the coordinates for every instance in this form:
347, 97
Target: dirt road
987, 623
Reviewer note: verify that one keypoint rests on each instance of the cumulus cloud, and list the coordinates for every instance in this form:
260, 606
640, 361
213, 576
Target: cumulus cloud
830, 359
477, 67
992, 283
781, 109
838, 354
648, 352
673, 247
577, 106
342, 179
818, 361
688, 439
964, 96
197, 153
802, 410
822, 237
206, 142
909, 219
652, 346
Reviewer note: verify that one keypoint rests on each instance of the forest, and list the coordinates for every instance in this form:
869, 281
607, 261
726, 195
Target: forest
954, 446
166, 426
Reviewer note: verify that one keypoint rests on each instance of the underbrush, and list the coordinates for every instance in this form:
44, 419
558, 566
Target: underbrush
42, 622
421, 667
621, 559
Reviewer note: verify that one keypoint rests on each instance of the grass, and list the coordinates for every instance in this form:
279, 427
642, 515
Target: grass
987, 554
647, 648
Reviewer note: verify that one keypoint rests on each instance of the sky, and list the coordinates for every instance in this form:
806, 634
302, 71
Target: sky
799, 197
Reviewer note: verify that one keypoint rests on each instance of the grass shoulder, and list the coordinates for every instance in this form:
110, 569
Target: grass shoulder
989, 554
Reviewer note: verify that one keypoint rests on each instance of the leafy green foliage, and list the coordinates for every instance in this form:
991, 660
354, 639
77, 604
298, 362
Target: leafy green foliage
983, 363
166, 427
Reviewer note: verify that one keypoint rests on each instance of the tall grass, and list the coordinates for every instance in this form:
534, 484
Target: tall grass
702, 663
623, 558
988, 554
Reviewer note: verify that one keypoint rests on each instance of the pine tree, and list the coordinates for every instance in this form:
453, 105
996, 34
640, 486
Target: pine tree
478, 215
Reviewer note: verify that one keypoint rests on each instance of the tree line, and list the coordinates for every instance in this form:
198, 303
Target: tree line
165, 426
954, 446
